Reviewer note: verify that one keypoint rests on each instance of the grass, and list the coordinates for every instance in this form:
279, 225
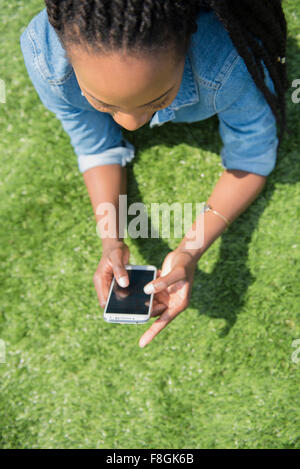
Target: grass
221, 375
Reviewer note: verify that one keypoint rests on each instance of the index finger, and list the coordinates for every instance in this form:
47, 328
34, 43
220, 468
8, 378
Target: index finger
156, 328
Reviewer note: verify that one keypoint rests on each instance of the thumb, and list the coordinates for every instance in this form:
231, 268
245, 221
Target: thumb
119, 270
121, 275
164, 281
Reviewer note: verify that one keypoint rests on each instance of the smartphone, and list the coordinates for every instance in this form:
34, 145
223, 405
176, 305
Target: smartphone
131, 305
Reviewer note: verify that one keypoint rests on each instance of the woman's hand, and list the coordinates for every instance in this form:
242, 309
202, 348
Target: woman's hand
172, 289
115, 256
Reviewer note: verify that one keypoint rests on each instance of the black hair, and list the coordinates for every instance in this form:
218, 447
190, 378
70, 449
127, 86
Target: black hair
257, 29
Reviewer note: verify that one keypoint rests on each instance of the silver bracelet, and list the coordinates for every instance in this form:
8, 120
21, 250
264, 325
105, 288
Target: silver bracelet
207, 208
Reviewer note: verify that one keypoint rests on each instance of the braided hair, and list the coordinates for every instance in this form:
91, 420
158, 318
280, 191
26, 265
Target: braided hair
257, 29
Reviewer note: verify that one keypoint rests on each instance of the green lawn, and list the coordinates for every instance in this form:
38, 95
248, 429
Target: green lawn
221, 375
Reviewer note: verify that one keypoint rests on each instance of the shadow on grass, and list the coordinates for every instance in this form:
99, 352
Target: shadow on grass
221, 293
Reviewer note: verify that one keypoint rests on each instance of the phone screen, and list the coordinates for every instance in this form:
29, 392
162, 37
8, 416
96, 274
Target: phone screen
131, 299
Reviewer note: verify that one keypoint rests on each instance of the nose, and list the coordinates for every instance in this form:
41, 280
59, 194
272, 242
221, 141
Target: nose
130, 122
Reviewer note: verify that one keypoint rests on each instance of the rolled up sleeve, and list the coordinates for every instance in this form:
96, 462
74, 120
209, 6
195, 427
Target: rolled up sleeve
248, 130
96, 138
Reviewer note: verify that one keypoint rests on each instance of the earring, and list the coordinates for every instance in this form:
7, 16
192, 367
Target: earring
281, 60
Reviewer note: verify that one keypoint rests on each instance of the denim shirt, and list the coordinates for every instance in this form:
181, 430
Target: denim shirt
215, 81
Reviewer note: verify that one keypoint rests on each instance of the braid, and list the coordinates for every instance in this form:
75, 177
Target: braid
141, 26
257, 29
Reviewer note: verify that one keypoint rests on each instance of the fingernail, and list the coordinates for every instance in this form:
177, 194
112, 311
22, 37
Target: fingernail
142, 343
123, 281
149, 288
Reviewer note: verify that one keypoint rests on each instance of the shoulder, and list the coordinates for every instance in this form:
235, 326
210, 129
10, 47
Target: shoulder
216, 62
211, 48
40, 41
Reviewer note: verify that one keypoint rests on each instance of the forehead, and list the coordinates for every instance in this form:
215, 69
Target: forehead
111, 77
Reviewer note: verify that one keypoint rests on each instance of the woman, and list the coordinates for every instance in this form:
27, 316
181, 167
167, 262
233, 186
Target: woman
103, 65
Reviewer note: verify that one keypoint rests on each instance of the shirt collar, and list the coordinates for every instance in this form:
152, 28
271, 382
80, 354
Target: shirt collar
187, 95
